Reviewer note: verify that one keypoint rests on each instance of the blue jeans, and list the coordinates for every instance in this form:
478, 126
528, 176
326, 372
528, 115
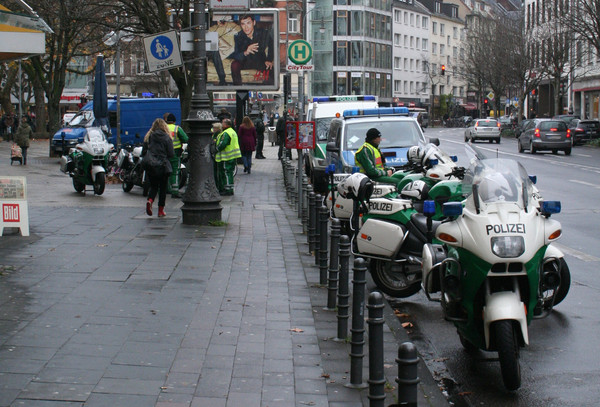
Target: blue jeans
247, 159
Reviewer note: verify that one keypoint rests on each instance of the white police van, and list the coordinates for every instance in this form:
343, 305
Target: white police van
399, 131
322, 111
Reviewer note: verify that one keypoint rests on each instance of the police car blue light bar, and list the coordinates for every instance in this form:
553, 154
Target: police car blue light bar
381, 111
346, 98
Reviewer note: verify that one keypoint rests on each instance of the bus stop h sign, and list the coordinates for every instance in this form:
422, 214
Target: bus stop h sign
299, 56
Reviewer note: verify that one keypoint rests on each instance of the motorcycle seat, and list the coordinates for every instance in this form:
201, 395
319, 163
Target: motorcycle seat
418, 225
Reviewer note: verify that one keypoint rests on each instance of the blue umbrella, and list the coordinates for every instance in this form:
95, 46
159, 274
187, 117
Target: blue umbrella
100, 95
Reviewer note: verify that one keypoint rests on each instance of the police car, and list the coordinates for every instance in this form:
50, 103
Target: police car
399, 132
322, 111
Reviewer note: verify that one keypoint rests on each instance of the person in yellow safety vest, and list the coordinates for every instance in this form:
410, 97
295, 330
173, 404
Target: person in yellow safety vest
228, 151
179, 137
371, 162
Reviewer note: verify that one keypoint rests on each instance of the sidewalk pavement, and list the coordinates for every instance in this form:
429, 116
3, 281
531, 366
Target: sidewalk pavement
105, 306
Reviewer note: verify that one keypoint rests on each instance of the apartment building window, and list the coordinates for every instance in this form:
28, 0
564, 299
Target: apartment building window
397, 63
455, 32
412, 42
342, 22
418, 43
448, 40
405, 18
442, 87
418, 64
406, 41
455, 52
442, 49
424, 67
412, 87
397, 16
397, 38
425, 44
412, 65
442, 28
434, 48
418, 21
434, 27
357, 21
425, 22
342, 53
293, 23
397, 86
412, 19
140, 66
356, 53
405, 86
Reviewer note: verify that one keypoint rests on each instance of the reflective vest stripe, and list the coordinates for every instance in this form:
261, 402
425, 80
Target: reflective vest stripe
173, 133
232, 151
376, 154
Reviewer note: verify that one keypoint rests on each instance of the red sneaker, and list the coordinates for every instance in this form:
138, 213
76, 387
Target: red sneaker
161, 211
149, 207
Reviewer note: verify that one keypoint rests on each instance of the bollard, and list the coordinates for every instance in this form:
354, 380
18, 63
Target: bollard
376, 375
334, 264
324, 221
293, 186
305, 196
317, 236
311, 222
408, 378
358, 325
343, 292
301, 193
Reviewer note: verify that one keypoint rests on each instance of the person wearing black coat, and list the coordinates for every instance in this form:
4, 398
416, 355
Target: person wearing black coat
260, 137
157, 150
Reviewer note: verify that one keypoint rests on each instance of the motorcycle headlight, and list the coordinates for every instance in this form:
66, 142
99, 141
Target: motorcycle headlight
98, 150
508, 246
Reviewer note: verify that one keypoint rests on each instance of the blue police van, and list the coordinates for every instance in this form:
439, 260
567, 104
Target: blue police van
136, 117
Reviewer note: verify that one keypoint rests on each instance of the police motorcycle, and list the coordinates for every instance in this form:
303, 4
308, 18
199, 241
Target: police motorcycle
129, 162
494, 264
390, 233
87, 162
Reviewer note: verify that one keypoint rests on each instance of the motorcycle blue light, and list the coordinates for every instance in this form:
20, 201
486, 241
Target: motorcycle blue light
533, 178
429, 207
330, 169
452, 209
550, 207
454, 158
434, 162
355, 169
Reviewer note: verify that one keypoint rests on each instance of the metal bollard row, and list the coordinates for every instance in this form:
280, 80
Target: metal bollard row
358, 325
376, 375
334, 264
312, 224
324, 221
343, 305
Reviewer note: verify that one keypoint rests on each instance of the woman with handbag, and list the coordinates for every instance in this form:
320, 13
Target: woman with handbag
157, 150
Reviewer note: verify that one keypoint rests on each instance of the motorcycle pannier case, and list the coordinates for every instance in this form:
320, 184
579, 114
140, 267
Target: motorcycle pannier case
66, 163
380, 238
121, 157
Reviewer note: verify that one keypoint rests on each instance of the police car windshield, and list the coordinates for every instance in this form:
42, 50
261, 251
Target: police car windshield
322, 127
394, 134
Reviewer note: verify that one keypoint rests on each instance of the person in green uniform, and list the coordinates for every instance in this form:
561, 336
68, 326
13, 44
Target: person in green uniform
371, 162
179, 137
228, 151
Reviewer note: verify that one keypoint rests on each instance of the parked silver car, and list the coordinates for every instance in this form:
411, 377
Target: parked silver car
546, 134
483, 129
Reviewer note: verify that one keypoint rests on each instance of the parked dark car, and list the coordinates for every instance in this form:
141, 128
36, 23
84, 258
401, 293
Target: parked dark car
566, 117
584, 130
520, 127
546, 134
505, 123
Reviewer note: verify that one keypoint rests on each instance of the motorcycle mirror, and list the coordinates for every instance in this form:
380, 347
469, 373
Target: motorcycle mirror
331, 148
434, 140
549, 207
533, 179
452, 209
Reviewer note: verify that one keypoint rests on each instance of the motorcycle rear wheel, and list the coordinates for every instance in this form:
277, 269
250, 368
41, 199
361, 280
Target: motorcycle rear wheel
393, 281
508, 353
127, 185
99, 183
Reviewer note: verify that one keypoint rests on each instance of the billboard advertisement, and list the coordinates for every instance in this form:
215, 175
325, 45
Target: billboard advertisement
248, 54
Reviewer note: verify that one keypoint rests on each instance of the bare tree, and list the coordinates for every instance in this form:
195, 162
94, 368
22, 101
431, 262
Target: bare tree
74, 23
583, 19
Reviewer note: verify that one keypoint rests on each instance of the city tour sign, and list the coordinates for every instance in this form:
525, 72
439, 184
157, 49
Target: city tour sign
299, 56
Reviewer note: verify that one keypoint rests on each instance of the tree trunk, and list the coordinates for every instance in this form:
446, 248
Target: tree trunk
40, 108
5, 102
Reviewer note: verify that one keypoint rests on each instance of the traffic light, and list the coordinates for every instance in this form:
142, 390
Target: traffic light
485, 103
443, 69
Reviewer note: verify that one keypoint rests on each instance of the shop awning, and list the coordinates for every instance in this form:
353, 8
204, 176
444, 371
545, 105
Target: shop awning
22, 33
469, 106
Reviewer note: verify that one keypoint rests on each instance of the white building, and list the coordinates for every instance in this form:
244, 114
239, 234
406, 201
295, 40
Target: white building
411, 25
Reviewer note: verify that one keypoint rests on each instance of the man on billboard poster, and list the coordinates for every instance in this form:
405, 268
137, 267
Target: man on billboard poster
246, 52
253, 50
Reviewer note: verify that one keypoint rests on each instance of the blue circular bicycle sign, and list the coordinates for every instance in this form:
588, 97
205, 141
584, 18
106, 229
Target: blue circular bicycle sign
162, 47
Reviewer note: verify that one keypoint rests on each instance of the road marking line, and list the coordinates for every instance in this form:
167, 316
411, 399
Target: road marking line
585, 183
576, 253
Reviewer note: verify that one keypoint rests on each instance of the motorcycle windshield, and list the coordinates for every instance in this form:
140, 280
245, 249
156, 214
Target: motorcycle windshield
498, 180
83, 119
95, 135
433, 152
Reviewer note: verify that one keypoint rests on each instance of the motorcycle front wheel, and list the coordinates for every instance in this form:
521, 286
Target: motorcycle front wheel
127, 184
561, 292
79, 187
396, 280
508, 353
99, 183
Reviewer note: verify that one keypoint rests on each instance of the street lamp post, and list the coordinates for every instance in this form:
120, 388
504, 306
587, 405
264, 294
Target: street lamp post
201, 201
